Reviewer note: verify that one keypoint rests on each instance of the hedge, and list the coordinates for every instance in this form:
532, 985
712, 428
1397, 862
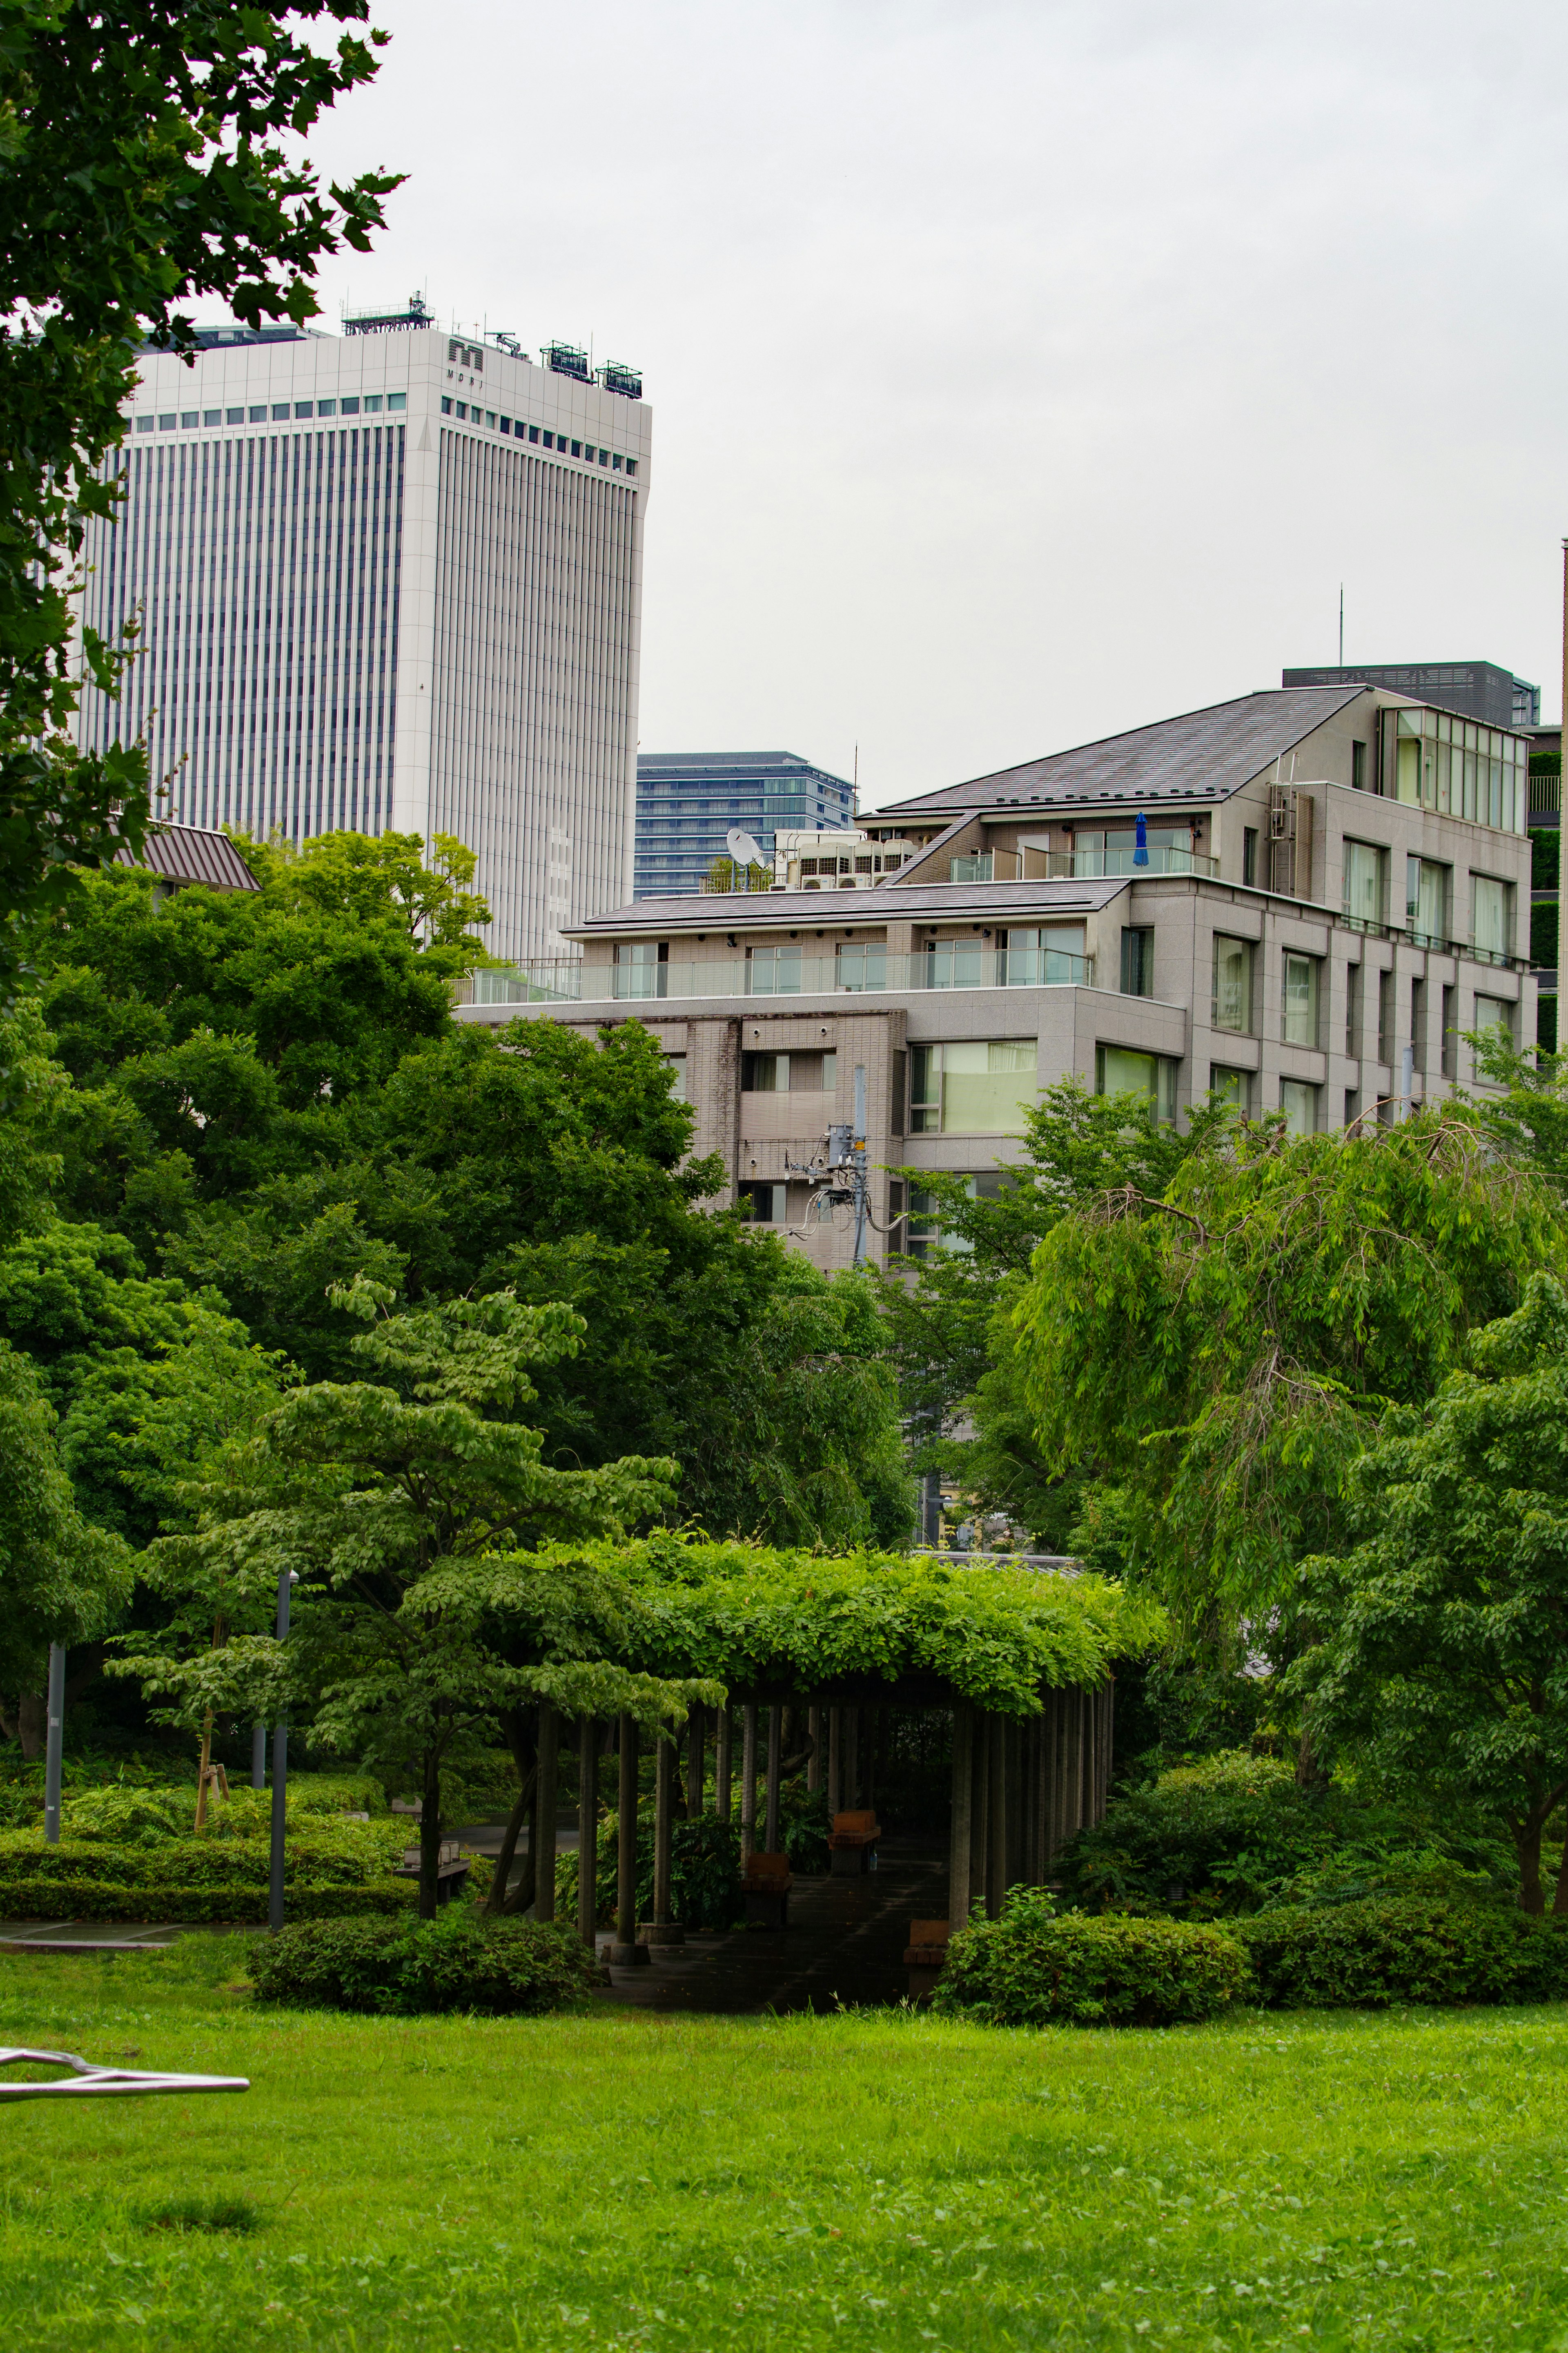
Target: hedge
327, 1874
1031, 1969
494, 1968
1347, 1955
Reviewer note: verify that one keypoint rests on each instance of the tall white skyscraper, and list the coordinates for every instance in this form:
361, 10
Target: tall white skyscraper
389, 579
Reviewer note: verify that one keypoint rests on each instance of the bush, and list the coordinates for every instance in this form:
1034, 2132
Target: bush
1349, 1956
128, 1816
498, 1969
1236, 1833
329, 1871
1030, 1968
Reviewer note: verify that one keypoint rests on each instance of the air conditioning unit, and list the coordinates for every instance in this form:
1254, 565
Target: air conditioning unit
1291, 841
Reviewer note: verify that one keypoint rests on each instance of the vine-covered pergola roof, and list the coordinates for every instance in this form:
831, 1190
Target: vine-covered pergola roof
908, 1628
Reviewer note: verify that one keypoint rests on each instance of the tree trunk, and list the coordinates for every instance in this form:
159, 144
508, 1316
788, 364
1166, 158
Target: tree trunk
1527, 1844
430, 1836
495, 1902
32, 1724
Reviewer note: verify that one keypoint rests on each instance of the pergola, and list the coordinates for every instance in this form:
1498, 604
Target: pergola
1021, 1663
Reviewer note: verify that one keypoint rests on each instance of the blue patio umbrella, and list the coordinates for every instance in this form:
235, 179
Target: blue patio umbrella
1140, 855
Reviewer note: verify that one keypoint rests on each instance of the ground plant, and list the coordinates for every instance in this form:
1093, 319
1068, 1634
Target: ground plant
612, 2178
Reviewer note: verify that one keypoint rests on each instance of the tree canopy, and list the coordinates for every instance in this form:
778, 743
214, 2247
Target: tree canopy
1439, 1643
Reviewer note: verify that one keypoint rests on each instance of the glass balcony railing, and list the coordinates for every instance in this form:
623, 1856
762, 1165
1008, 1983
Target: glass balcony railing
1088, 865
780, 972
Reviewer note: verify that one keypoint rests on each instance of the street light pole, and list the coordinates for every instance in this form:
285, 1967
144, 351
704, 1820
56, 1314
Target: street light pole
54, 1743
280, 1775
1562, 1037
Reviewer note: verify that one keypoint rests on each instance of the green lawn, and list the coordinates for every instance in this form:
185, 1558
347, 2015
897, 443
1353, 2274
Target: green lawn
865, 2181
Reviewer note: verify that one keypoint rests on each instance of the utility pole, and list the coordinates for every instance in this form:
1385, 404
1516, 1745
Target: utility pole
1342, 625
1559, 1039
280, 1775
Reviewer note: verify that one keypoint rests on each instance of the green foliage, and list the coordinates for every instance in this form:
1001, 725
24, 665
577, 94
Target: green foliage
493, 1969
1439, 1643
1381, 1951
1237, 1833
182, 177
758, 1619
330, 1872
126, 1816
63, 1581
1030, 1968
1224, 1348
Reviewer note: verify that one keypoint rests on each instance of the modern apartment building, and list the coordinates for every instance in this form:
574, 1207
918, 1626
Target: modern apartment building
1477, 689
1303, 899
686, 802
390, 579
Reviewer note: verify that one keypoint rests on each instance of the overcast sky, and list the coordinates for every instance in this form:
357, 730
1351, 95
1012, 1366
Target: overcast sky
1019, 373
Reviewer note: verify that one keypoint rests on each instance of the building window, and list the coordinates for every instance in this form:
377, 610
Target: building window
616, 463
1352, 1105
326, 407
167, 424
462, 412
631, 465
675, 1065
769, 1204
641, 968
373, 403
1366, 885
490, 417
145, 424
1450, 1035
550, 441
1427, 901
212, 417
1232, 1006
1385, 1017
302, 407
350, 407
1299, 1102
280, 411
768, 1074
1418, 1025
395, 400
577, 449
1118, 1070
1358, 766
446, 406
1495, 1013
1249, 855
234, 416
925, 1233
1137, 960
972, 1086
1299, 1026
1353, 1011
1231, 1086
1043, 955
772, 972
189, 419
861, 965
1491, 929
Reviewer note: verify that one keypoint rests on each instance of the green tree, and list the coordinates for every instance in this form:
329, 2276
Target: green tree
63, 1579
390, 1497
1439, 1642
1219, 1352
147, 154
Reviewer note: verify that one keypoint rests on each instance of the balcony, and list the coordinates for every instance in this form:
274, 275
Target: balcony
1078, 865
781, 972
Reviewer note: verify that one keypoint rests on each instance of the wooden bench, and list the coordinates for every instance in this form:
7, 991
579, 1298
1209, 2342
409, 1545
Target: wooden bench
849, 1843
452, 1869
924, 1954
765, 1885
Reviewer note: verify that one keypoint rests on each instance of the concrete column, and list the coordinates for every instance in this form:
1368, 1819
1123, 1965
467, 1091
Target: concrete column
54, 1745
722, 1740
748, 1783
980, 1816
775, 1760
959, 1835
835, 1760
588, 1829
626, 1952
545, 1812
814, 1763
663, 1821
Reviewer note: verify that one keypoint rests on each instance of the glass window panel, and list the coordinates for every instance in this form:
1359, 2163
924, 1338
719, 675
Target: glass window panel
1232, 1087
988, 1084
1299, 1102
1300, 1021
1365, 873
773, 972
676, 1064
1490, 928
1426, 900
862, 966
925, 1088
1232, 983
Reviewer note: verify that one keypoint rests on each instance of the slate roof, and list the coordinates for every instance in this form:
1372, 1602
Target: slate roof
1201, 755
193, 853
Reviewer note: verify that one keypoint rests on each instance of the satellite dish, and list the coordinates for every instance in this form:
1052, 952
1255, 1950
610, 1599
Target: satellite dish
743, 849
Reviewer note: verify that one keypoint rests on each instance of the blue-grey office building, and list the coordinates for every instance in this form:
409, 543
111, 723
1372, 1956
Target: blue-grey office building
686, 802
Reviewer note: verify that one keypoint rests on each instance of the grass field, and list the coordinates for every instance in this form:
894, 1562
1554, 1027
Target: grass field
871, 2181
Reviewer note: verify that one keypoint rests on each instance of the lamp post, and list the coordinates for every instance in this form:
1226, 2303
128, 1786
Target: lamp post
54, 1743
285, 1579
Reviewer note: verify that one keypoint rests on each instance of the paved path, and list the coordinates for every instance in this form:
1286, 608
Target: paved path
845, 1944
88, 1937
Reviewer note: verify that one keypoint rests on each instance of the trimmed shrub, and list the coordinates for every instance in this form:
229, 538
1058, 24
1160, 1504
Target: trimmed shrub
1349, 1956
1031, 1969
330, 1873
496, 1968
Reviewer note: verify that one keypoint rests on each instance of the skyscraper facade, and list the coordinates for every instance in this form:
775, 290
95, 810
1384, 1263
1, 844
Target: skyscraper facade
686, 802
389, 579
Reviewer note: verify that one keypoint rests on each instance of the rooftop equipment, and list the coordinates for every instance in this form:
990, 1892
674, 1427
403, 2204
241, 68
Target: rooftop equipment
416, 314
615, 376
566, 359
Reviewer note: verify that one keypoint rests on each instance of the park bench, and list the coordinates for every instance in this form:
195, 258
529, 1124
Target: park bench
849, 1843
766, 1883
451, 1869
924, 1954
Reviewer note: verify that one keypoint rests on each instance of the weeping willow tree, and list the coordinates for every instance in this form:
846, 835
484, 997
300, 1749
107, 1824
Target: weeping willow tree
1216, 1355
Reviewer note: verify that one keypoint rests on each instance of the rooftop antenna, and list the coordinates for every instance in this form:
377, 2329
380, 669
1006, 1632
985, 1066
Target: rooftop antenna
1342, 625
